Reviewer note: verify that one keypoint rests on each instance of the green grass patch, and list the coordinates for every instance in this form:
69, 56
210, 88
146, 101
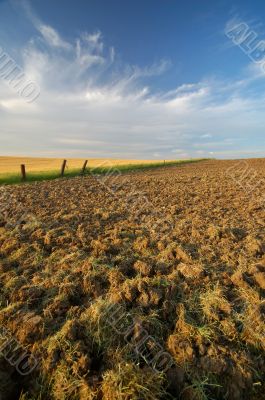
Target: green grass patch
144, 166
11, 178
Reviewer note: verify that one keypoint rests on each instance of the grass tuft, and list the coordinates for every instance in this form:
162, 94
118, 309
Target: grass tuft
128, 381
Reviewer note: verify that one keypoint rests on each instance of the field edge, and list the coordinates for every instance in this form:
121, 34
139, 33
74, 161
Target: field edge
15, 178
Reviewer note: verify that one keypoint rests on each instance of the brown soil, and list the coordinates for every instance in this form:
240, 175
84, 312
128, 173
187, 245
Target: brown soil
180, 250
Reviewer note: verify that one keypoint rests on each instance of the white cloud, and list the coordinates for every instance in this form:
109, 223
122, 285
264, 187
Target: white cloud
94, 41
52, 37
49, 34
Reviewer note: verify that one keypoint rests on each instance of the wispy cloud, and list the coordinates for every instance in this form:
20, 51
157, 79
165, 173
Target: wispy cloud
52, 37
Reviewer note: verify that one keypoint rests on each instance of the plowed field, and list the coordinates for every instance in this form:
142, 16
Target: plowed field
101, 278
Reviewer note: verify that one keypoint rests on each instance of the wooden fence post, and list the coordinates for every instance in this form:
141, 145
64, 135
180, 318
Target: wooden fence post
23, 172
84, 168
63, 167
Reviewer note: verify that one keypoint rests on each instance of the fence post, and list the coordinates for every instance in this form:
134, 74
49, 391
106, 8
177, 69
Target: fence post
63, 167
84, 168
23, 172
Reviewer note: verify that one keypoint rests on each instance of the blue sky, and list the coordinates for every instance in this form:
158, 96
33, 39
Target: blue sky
144, 79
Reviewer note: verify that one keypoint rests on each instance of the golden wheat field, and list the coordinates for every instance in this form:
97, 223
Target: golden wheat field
34, 164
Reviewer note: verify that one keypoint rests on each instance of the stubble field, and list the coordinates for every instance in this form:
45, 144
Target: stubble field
91, 266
